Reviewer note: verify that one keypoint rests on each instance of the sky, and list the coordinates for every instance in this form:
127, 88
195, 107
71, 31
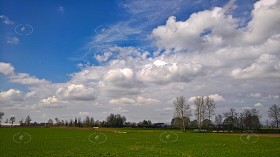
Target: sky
67, 59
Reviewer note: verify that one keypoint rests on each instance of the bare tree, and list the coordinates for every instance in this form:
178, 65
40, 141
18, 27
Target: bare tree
210, 106
231, 118
200, 110
182, 110
218, 120
12, 120
27, 120
87, 121
274, 114
1, 116
57, 121
50, 121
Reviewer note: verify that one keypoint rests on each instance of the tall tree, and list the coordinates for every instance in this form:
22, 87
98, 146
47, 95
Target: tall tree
12, 120
27, 120
250, 119
57, 121
210, 106
91, 121
200, 110
50, 121
1, 116
274, 114
87, 121
218, 121
182, 110
115, 120
231, 118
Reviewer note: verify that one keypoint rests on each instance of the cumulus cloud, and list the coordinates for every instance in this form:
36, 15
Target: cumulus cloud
207, 28
11, 95
162, 72
265, 21
76, 92
6, 68
51, 100
266, 65
119, 81
22, 78
217, 97
104, 57
258, 105
26, 79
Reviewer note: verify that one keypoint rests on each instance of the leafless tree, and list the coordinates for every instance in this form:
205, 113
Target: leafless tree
1, 116
200, 110
182, 110
231, 118
210, 106
219, 120
12, 120
274, 114
27, 120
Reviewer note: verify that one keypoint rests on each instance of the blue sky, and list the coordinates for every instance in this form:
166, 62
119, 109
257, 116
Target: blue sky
124, 51
62, 28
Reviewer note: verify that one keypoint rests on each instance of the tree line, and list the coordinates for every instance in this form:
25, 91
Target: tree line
249, 119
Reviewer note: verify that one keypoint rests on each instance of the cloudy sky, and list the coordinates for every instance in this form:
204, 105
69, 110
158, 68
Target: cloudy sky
69, 59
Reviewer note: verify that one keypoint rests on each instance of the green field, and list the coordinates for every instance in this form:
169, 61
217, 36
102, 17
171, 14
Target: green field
135, 142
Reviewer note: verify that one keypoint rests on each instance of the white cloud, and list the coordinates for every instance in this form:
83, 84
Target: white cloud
122, 101
162, 72
6, 20
22, 78
120, 82
207, 28
26, 79
255, 95
139, 100
51, 100
266, 65
6, 68
76, 92
13, 40
84, 113
11, 95
258, 105
265, 21
217, 97
143, 100
104, 57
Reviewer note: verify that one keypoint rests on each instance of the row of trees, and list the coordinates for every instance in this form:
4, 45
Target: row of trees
204, 110
249, 119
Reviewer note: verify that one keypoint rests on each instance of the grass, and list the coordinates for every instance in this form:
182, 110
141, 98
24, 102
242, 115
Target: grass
135, 143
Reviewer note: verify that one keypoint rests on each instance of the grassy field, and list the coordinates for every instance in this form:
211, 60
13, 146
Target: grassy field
132, 142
